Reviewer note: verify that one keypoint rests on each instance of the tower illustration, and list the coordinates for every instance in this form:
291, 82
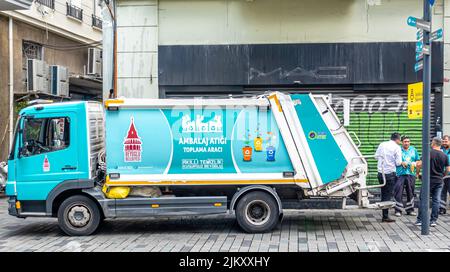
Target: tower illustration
132, 145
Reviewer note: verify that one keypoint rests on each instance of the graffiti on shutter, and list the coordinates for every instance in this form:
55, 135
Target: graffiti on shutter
375, 116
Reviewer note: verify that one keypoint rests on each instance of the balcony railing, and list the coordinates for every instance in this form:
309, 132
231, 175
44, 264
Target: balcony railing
74, 11
47, 3
96, 21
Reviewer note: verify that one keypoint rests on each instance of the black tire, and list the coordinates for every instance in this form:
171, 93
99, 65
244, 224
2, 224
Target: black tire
257, 212
78, 216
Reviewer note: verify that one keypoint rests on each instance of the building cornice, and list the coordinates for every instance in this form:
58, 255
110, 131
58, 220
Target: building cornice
43, 25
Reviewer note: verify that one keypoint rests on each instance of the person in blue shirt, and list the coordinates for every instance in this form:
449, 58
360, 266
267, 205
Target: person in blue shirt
406, 178
446, 149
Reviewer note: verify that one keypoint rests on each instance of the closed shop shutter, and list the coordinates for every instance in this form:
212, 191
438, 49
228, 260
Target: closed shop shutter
374, 116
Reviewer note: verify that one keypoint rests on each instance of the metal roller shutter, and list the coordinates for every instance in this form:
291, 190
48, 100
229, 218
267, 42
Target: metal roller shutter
374, 116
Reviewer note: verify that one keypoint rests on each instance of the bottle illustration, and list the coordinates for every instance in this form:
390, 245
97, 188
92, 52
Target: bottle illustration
247, 150
270, 149
258, 143
270, 153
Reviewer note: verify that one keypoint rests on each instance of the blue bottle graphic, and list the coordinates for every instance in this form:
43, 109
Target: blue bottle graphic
270, 151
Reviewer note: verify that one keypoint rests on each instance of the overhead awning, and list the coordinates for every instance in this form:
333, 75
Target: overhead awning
85, 87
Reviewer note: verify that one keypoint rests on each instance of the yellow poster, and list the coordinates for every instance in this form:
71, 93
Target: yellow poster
415, 105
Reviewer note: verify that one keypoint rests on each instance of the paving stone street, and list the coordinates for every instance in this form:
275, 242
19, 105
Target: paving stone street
301, 230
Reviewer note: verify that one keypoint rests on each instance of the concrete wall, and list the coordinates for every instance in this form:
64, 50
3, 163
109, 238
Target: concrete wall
43, 25
75, 60
144, 24
287, 21
4, 91
137, 48
58, 22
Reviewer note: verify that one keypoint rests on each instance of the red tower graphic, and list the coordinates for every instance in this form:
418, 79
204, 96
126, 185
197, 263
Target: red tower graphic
132, 144
46, 165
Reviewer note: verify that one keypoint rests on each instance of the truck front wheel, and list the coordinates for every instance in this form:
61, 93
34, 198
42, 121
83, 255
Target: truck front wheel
78, 216
257, 212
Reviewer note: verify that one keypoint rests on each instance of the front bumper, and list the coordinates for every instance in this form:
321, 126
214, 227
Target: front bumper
12, 206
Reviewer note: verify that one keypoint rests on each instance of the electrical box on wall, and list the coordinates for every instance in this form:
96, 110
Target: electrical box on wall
59, 80
37, 76
94, 66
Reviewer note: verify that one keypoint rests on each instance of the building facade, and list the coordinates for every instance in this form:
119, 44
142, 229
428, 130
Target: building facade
57, 32
359, 53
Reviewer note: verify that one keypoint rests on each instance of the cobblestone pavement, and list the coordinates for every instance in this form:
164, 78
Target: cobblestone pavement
307, 230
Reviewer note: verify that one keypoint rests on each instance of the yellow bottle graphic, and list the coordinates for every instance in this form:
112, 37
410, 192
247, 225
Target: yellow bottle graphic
258, 143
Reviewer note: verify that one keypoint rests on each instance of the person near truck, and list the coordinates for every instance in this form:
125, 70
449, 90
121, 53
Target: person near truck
406, 179
439, 166
389, 157
446, 189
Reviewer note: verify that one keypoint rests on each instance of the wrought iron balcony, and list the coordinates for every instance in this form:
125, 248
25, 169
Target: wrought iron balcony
96, 21
47, 3
74, 11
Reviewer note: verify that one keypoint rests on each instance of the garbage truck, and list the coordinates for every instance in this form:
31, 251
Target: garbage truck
82, 162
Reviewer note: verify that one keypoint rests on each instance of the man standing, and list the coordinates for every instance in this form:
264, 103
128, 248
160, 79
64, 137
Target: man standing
439, 166
389, 156
406, 178
446, 189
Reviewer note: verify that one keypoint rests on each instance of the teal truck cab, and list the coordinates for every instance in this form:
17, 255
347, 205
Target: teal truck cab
180, 157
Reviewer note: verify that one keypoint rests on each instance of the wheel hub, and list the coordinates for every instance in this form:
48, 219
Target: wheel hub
79, 216
257, 212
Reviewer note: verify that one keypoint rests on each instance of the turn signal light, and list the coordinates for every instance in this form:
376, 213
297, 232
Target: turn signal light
18, 206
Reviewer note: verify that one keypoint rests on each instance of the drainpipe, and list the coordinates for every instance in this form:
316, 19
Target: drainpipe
445, 121
11, 83
115, 49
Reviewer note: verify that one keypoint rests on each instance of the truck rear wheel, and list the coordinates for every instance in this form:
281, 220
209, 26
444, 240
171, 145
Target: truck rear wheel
257, 212
78, 216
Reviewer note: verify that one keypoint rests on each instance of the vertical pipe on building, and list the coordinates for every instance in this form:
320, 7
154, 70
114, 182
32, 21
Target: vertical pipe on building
445, 121
108, 41
115, 48
11, 82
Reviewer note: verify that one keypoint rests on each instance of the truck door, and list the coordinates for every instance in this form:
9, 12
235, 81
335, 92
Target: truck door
47, 154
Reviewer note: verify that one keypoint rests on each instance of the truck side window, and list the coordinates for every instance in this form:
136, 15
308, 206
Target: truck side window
42, 135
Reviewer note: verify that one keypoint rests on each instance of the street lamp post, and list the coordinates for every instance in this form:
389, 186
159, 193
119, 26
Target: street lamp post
425, 190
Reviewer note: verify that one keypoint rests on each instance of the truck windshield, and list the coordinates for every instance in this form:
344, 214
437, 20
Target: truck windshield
43, 135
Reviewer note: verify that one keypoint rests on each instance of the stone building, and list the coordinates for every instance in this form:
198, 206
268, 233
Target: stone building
58, 32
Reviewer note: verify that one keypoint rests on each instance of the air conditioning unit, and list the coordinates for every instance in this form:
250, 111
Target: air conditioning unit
37, 76
94, 66
59, 80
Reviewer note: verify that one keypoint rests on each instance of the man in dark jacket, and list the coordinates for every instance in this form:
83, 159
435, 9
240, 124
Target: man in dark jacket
439, 166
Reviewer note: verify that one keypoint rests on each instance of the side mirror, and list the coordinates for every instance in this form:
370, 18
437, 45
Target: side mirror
22, 152
26, 149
